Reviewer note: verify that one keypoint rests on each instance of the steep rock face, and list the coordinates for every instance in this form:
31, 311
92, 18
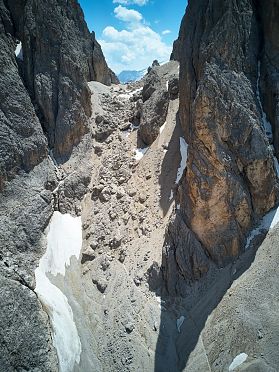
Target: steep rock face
59, 57
44, 88
25, 209
156, 95
181, 265
230, 179
45, 105
100, 71
269, 81
23, 144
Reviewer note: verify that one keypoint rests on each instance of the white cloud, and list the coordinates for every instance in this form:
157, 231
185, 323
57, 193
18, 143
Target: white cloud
127, 15
166, 32
135, 46
131, 2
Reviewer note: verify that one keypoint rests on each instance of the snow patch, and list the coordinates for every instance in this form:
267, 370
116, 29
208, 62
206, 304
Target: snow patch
136, 91
179, 323
131, 128
171, 195
129, 94
184, 155
19, 51
139, 153
163, 127
65, 335
167, 85
267, 223
64, 240
238, 360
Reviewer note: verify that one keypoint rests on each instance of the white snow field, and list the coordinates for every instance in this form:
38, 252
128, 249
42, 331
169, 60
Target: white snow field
238, 360
267, 223
179, 322
139, 153
184, 155
163, 127
18, 51
64, 240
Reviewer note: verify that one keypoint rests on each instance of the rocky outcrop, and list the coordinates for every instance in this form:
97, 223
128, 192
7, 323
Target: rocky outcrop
230, 180
175, 50
47, 57
155, 96
268, 13
23, 144
25, 209
59, 57
181, 266
99, 68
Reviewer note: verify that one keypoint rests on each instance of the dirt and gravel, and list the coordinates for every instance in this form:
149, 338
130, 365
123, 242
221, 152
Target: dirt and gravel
126, 319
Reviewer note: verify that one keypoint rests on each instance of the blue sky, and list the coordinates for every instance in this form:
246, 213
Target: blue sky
133, 33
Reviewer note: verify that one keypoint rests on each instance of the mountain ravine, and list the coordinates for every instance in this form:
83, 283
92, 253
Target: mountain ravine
138, 222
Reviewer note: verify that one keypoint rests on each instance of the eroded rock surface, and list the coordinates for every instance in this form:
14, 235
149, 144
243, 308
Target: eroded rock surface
230, 180
268, 13
155, 97
58, 57
47, 57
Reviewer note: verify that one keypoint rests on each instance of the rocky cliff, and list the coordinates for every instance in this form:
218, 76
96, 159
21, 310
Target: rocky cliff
47, 57
57, 56
130, 214
226, 51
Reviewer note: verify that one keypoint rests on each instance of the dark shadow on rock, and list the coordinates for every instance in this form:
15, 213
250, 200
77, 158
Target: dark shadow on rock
140, 143
186, 306
169, 169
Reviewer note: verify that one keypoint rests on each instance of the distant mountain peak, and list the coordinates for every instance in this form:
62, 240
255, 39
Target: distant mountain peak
128, 76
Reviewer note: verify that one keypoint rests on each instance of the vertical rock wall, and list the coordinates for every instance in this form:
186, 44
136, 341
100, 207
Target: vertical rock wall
45, 104
59, 57
230, 180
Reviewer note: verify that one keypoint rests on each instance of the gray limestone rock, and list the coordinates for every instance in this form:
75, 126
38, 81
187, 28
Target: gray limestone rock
184, 259
59, 57
156, 95
230, 180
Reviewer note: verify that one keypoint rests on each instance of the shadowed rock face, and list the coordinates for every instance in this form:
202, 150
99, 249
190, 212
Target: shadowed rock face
22, 143
159, 87
269, 82
230, 180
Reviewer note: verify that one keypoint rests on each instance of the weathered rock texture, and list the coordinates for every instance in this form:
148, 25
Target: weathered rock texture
99, 69
155, 96
230, 180
23, 144
45, 104
268, 13
59, 57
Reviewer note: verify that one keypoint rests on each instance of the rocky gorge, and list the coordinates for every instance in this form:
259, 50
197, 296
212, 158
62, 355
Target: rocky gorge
138, 222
